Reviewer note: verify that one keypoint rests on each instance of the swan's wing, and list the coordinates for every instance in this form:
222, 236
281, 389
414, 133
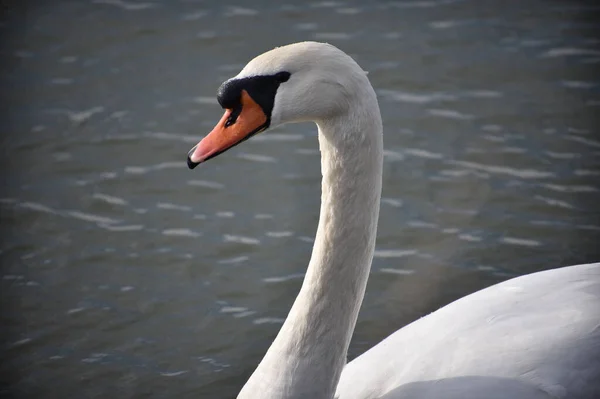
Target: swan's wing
468, 388
540, 331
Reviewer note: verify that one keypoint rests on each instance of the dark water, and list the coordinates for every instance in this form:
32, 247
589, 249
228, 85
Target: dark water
126, 275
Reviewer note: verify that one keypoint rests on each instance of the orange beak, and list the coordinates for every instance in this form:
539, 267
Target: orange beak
251, 120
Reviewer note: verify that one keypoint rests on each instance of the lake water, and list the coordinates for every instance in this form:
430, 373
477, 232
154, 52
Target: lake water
125, 275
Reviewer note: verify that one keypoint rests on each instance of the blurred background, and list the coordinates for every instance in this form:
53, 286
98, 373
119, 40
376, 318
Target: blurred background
124, 274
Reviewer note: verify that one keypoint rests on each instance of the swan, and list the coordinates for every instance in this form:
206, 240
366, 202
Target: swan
535, 336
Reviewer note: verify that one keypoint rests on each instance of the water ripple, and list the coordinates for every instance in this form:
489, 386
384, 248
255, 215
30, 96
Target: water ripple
583, 140
241, 239
586, 172
79, 117
505, 170
577, 84
37, 207
450, 114
233, 261
569, 51
173, 207
445, 24
421, 3
232, 309
132, 227
520, 241
402, 272
183, 232
206, 184
422, 153
392, 156
282, 279
332, 36
483, 94
469, 237
125, 5
278, 137
256, 157
268, 320
110, 199
186, 138
194, 16
348, 10
234, 11
88, 217
554, 202
570, 189
306, 26
326, 4
415, 98
139, 170
279, 234
396, 203
173, 373
393, 253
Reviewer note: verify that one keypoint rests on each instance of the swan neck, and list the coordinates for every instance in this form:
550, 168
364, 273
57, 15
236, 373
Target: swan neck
307, 356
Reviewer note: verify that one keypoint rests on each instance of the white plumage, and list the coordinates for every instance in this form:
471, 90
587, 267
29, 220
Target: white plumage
536, 336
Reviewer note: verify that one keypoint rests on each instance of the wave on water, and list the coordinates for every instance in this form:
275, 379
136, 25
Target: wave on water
233, 261
394, 253
182, 232
520, 241
415, 98
283, 279
268, 320
256, 157
159, 166
173, 207
569, 52
450, 114
554, 202
279, 234
206, 183
570, 188
241, 239
127, 6
416, 152
504, 170
236, 11
109, 199
402, 272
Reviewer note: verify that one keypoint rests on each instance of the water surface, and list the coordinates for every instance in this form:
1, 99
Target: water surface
126, 275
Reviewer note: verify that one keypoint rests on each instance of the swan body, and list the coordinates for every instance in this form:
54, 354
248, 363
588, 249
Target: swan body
536, 336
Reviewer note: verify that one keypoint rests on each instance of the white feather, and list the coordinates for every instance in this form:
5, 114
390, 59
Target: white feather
536, 336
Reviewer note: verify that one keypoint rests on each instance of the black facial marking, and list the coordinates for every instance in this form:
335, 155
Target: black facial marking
261, 88
283, 76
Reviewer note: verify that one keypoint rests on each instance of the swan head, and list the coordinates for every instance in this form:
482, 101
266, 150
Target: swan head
300, 82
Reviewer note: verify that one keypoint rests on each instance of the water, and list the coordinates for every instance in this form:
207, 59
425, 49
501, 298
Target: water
126, 275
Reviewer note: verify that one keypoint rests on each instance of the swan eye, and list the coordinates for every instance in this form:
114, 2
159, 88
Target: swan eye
282, 76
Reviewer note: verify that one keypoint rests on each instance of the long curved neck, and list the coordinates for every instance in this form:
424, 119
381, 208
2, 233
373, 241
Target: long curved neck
307, 356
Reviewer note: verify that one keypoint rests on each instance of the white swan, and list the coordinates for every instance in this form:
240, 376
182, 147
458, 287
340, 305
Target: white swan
536, 336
